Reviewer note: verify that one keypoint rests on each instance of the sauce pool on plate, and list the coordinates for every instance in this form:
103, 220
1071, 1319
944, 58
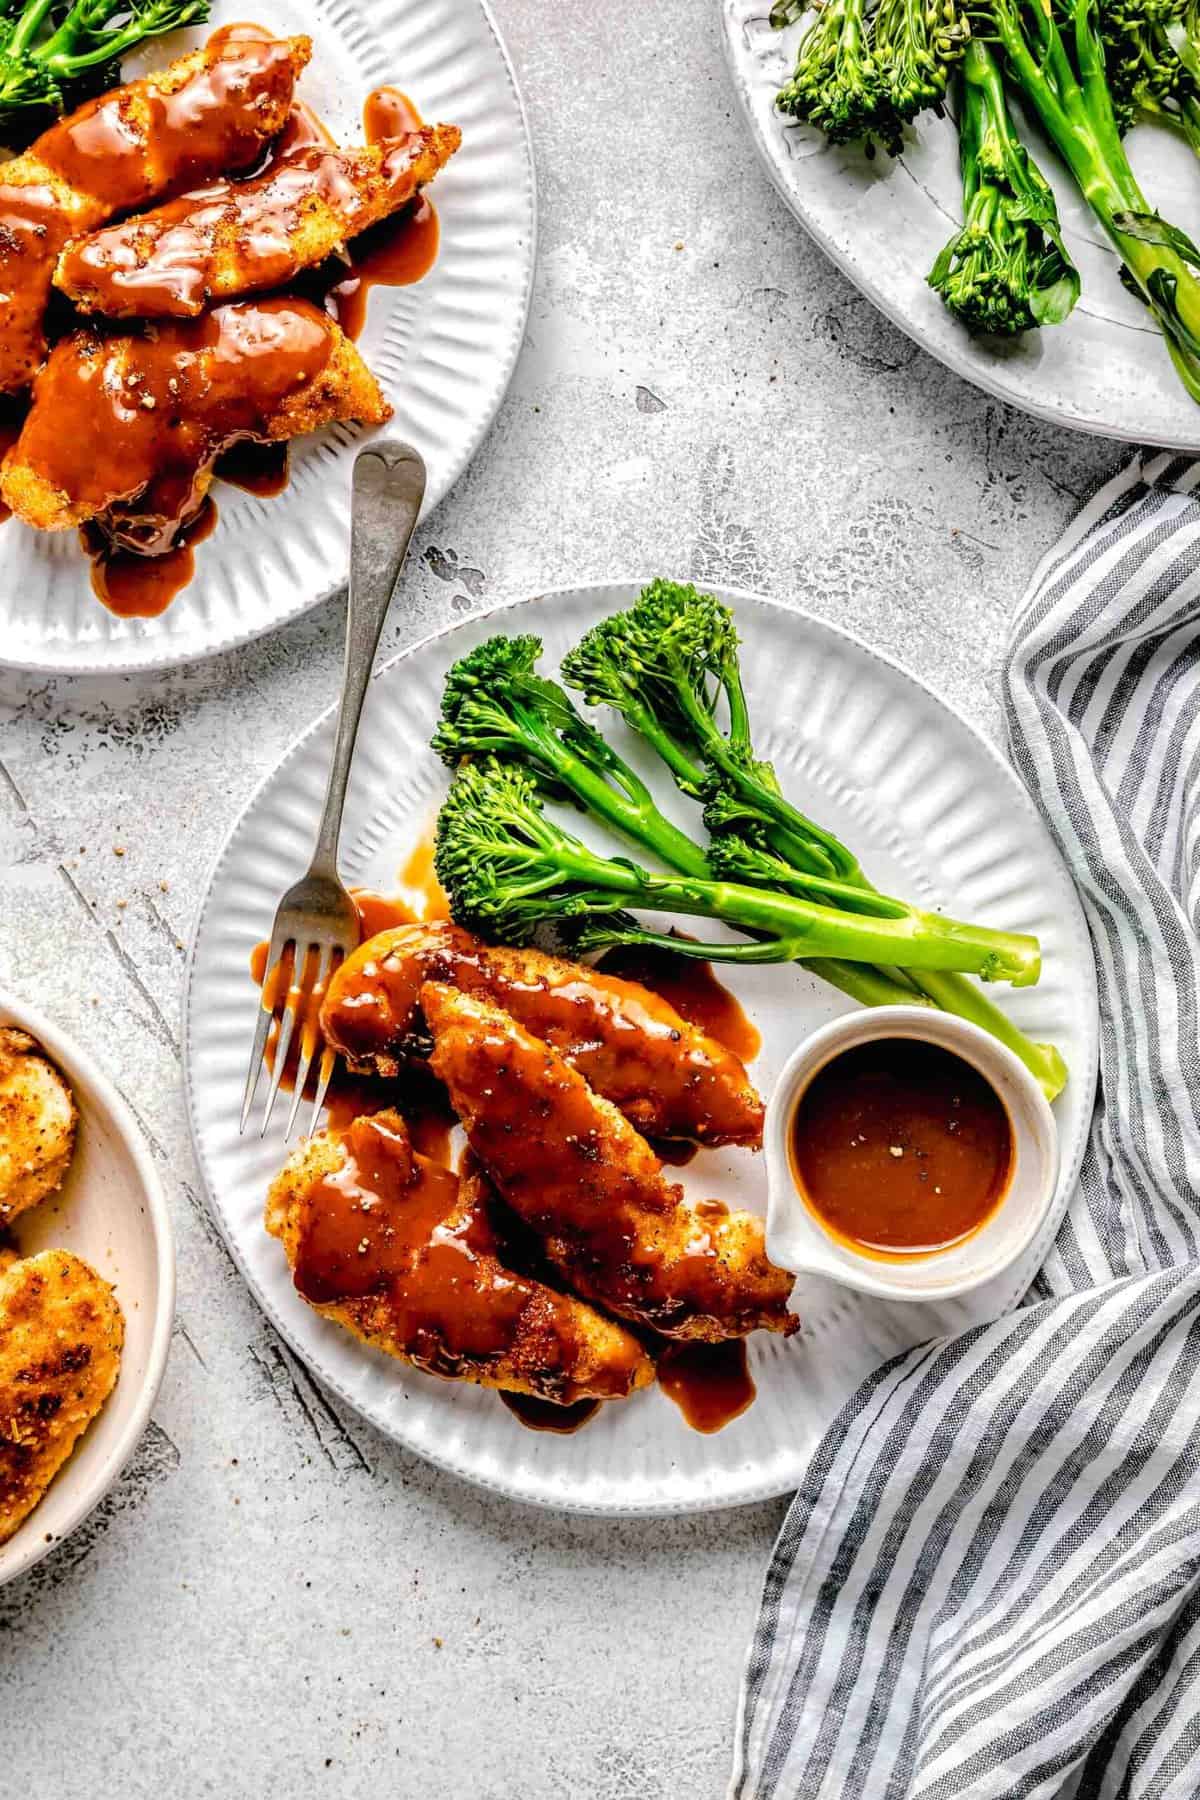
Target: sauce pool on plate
901, 1148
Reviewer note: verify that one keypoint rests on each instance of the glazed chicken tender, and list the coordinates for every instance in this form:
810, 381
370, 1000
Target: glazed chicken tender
666, 1076
210, 113
243, 237
578, 1174
37, 1125
126, 429
61, 1335
404, 1254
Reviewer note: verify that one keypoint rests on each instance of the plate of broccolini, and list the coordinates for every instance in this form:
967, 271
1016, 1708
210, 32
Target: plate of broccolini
615, 764
1015, 184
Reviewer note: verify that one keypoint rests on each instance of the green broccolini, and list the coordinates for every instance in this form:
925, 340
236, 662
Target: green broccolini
1151, 64
495, 703
508, 870
670, 666
46, 46
917, 44
1055, 56
664, 665
864, 71
1085, 76
1007, 270
837, 85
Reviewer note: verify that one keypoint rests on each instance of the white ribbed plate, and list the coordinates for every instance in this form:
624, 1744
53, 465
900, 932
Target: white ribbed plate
443, 349
933, 812
1106, 369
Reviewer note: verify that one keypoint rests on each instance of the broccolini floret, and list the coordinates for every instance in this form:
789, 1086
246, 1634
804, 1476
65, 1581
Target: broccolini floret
46, 46
496, 703
837, 85
1151, 64
1007, 270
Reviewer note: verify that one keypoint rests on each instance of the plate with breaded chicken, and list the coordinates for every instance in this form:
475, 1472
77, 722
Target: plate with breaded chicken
87, 1286
525, 1235
266, 241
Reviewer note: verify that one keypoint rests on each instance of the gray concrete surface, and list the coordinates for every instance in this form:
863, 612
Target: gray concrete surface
275, 1601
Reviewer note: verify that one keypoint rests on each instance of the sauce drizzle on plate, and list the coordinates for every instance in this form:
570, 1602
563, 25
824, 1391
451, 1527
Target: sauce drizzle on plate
711, 1384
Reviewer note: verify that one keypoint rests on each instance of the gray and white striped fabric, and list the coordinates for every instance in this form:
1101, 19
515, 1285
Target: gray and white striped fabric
989, 1584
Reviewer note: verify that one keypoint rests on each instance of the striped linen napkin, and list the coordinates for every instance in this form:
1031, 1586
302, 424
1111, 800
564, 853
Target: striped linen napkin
988, 1586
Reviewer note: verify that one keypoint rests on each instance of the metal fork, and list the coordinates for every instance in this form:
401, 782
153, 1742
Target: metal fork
317, 920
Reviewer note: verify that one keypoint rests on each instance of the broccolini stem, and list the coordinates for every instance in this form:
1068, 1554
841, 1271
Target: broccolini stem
79, 44
799, 929
863, 982
629, 808
31, 22
954, 994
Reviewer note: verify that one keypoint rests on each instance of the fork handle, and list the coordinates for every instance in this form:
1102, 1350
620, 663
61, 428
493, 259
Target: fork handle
388, 488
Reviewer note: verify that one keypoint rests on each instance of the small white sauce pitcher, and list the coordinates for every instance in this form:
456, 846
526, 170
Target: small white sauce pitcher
796, 1237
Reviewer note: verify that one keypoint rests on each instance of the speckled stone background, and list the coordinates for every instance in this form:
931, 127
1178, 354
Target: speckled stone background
274, 1601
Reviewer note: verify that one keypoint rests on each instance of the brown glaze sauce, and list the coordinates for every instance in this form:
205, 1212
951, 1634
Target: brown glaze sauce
168, 266
305, 129
142, 587
129, 146
119, 151
388, 113
381, 912
33, 229
691, 987
131, 426
546, 1415
261, 469
396, 253
538, 1129
623, 1040
123, 150
420, 890
901, 1148
711, 1384
134, 422
392, 1222
418, 1243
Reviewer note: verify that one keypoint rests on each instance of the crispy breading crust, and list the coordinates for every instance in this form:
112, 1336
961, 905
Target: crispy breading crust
25, 267
573, 1168
61, 1335
343, 389
311, 202
669, 1078
559, 1348
37, 1124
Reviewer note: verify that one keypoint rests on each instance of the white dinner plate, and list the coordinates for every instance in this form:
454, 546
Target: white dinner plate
443, 349
933, 812
883, 221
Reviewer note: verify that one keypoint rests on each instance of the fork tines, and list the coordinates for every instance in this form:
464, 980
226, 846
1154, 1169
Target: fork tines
301, 995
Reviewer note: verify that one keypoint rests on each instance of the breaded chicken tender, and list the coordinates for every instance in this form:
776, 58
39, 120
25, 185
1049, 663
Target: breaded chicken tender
210, 113
61, 1335
668, 1077
577, 1173
126, 429
244, 237
37, 1124
404, 1253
